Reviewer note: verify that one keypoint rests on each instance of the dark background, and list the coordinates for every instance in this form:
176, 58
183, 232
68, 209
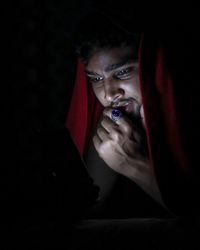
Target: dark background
40, 66
43, 58
39, 77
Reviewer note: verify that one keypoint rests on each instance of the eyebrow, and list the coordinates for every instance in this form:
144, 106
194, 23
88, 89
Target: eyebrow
114, 66
117, 65
91, 73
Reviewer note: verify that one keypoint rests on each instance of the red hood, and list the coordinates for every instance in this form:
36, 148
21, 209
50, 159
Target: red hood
163, 115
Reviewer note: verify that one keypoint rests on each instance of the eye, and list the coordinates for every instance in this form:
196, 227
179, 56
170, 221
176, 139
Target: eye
95, 79
124, 72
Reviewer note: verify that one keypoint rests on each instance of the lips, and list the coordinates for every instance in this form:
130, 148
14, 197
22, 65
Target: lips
132, 109
129, 107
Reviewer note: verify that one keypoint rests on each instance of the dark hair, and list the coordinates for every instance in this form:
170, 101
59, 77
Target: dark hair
98, 30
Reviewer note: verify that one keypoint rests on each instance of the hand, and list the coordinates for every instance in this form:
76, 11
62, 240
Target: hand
121, 145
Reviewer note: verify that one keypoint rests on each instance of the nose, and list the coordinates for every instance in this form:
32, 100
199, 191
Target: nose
113, 91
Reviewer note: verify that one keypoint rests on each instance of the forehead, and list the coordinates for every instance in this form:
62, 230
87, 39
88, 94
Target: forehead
102, 58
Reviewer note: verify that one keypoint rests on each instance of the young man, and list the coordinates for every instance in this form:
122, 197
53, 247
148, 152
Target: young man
119, 138
131, 77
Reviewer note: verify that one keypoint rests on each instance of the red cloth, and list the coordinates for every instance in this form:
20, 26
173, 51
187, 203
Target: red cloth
164, 116
84, 111
166, 143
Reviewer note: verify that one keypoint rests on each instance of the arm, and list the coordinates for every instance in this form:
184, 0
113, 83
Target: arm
103, 176
120, 145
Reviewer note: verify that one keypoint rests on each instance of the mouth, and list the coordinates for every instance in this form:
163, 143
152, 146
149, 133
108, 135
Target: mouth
130, 107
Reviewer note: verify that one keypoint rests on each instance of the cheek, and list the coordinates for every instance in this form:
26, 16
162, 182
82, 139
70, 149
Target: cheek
133, 89
99, 93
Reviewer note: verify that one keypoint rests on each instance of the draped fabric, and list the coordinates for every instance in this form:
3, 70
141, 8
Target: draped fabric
164, 96
84, 111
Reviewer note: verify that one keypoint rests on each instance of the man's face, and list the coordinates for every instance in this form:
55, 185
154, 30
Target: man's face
114, 76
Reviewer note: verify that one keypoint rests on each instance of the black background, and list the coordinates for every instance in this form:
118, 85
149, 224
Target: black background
40, 66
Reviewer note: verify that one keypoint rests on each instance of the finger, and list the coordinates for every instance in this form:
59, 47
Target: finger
108, 124
123, 122
102, 133
97, 142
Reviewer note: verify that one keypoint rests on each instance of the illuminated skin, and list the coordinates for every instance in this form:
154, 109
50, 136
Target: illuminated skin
114, 78
115, 81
